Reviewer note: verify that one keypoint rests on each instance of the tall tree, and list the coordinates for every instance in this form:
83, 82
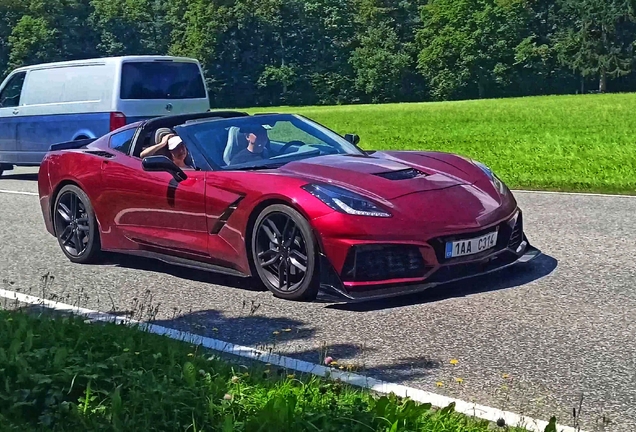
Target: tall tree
385, 56
32, 41
11, 12
131, 26
599, 40
468, 46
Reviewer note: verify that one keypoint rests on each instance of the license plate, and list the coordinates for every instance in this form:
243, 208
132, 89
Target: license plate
471, 246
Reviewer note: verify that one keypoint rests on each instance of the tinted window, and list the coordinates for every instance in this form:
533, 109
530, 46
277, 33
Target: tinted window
161, 80
10, 95
284, 138
121, 141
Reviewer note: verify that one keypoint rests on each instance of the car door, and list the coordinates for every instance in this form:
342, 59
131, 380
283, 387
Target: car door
151, 209
9, 116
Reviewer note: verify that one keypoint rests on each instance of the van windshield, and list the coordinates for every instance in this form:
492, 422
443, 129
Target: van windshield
161, 80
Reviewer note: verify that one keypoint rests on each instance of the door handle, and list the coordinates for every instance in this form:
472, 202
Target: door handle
15, 111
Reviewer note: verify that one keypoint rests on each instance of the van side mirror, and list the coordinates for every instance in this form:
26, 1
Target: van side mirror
352, 138
163, 163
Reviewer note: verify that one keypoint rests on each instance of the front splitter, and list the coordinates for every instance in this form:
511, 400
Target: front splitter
333, 291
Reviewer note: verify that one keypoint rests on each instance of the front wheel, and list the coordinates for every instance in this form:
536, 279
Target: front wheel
284, 253
75, 225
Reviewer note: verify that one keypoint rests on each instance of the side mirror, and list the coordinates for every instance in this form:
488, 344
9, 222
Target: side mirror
352, 138
163, 163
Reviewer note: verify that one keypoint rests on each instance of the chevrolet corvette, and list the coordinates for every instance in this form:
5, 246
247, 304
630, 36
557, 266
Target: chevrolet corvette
279, 198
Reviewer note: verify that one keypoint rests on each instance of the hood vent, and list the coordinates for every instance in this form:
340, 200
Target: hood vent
406, 174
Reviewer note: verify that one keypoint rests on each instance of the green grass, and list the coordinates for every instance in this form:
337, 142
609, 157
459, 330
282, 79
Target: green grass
63, 374
567, 143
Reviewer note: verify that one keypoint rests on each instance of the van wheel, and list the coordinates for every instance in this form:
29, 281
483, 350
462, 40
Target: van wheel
5, 167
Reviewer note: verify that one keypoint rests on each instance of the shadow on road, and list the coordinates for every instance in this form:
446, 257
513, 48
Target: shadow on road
293, 338
153, 265
509, 277
25, 177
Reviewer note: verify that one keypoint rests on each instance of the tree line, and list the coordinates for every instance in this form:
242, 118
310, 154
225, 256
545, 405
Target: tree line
306, 52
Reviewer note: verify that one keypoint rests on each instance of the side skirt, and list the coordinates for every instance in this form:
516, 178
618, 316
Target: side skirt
184, 262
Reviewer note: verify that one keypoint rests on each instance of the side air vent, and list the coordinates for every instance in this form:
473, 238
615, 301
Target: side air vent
402, 174
222, 220
100, 153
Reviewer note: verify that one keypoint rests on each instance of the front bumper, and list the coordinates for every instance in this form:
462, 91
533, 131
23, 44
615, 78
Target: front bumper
333, 290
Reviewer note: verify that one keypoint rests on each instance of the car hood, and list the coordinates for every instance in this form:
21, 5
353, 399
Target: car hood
386, 176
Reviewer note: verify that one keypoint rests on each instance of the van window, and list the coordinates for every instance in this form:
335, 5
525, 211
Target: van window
161, 80
121, 141
10, 95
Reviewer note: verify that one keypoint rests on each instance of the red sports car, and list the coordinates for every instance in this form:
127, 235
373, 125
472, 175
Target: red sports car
284, 200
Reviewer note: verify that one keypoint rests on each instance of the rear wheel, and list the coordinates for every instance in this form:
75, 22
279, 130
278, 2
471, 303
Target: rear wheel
75, 225
284, 253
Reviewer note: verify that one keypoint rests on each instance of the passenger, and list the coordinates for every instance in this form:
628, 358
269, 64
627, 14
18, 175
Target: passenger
178, 152
161, 141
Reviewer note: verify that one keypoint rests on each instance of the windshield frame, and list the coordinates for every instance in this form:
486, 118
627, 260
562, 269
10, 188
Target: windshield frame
186, 132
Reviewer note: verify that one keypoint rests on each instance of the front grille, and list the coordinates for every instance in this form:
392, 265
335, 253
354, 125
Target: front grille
505, 238
379, 262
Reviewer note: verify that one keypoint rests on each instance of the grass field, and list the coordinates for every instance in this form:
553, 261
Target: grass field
63, 374
567, 143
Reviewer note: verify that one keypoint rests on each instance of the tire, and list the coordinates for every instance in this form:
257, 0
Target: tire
299, 251
69, 227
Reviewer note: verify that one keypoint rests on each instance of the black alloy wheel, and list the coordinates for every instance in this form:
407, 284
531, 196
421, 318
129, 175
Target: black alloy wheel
284, 253
75, 225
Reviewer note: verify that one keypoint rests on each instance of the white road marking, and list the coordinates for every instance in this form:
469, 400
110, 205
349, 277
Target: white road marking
514, 191
18, 192
467, 408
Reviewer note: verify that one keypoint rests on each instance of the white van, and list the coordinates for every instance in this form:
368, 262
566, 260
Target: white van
50, 103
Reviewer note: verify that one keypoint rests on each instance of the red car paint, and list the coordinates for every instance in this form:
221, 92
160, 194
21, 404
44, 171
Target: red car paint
137, 209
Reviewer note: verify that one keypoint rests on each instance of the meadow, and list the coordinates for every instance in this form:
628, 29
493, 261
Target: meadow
577, 143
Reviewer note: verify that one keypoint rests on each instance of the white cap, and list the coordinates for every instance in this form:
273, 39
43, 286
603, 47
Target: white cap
174, 142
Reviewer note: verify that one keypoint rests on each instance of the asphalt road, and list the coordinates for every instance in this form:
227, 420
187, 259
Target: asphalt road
561, 328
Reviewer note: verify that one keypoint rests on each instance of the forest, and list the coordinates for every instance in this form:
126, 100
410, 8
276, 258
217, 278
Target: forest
325, 52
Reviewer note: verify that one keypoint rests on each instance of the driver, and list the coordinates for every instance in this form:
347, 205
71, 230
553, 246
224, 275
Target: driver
256, 139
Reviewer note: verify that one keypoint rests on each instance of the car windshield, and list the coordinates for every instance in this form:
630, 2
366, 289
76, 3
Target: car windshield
264, 141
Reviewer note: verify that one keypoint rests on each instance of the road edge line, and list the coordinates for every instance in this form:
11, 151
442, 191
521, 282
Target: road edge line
545, 192
18, 192
372, 384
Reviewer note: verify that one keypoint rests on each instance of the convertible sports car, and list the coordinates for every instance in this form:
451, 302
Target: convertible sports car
302, 210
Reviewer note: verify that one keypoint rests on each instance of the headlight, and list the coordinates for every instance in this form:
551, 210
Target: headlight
499, 185
345, 201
